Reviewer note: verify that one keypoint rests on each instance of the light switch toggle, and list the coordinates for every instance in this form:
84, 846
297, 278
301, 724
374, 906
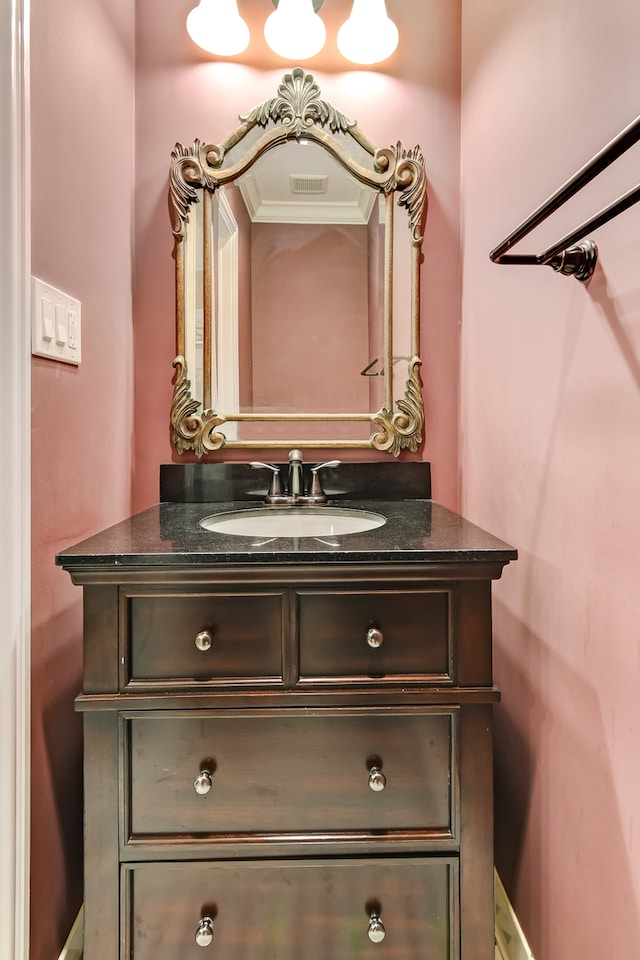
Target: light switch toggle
61, 325
47, 313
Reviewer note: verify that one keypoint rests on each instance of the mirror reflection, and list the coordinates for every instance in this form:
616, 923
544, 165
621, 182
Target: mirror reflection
296, 297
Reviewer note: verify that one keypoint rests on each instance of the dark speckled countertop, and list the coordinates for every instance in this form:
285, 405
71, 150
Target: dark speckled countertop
416, 530
169, 534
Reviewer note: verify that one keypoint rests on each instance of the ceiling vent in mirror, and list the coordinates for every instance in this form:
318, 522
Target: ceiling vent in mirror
307, 183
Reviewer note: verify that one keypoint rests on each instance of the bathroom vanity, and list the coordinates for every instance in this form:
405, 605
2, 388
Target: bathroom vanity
288, 727
288, 743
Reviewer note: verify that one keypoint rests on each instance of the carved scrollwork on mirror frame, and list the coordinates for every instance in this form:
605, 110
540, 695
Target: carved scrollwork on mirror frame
214, 415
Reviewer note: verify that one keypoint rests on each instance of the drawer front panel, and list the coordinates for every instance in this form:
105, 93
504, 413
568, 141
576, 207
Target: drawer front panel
283, 775
373, 636
219, 639
342, 910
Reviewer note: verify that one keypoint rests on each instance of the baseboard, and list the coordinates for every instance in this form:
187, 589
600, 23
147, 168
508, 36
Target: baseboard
73, 948
511, 943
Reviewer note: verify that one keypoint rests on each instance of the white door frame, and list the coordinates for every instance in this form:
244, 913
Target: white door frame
15, 366
226, 386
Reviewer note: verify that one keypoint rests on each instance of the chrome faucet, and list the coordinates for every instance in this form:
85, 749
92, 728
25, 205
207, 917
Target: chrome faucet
295, 493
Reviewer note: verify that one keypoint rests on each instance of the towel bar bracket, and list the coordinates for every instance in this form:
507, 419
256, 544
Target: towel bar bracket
579, 261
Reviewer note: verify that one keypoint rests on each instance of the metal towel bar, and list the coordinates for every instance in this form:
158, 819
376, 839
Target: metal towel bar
572, 255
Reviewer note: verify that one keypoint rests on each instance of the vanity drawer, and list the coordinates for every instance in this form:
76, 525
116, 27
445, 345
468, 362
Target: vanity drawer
320, 909
218, 639
371, 636
275, 774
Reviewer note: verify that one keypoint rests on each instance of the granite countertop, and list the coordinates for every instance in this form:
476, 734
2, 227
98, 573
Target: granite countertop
416, 530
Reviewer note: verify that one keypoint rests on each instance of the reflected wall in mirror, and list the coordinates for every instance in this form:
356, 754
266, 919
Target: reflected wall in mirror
297, 295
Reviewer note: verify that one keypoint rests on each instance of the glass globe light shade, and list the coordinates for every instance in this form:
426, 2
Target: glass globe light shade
368, 36
294, 30
217, 27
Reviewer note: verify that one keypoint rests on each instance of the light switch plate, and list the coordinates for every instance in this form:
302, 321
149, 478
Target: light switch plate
55, 323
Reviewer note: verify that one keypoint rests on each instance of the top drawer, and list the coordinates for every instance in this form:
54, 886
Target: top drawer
220, 639
368, 636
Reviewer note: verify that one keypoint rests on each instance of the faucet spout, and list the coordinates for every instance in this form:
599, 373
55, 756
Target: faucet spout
296, 481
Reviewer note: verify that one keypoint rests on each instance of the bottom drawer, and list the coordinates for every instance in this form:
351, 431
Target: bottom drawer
400, 909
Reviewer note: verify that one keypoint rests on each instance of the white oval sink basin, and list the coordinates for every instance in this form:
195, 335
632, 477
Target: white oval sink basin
293, 522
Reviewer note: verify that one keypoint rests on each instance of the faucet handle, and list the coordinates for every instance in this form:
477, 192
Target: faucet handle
316, 492
327, 463
275, 488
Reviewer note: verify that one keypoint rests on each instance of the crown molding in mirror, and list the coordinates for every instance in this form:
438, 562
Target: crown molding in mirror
299, 111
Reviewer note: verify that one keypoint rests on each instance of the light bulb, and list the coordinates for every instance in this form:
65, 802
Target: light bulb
368, 36
294, 30
217, 27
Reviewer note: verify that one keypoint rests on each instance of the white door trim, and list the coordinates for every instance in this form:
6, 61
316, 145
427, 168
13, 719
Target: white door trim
15, 368
226, 386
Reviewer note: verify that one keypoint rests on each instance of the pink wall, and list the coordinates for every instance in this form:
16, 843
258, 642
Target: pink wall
82, 183
181, 94
550, 418
295, 330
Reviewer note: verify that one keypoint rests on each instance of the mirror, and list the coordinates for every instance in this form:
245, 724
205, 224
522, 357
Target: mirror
297, 294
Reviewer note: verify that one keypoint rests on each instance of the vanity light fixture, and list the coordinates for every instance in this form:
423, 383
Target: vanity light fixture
368, 36
217, 27
295, 31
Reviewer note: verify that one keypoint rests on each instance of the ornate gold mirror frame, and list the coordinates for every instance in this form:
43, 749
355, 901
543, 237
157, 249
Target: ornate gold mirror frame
395, 173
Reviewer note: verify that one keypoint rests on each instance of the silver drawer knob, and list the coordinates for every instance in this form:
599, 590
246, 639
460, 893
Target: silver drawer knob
204, 933
203, 783
203, 641
376, 931
374, 637
377, 779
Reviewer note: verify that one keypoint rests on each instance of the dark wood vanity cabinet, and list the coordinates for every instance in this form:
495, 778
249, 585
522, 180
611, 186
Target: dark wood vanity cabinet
288, 761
